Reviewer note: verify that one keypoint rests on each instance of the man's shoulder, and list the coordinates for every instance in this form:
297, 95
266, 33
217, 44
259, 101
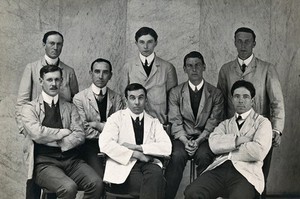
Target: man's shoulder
82, 93
161, 61
112, 92
229, 64
66, 67
212, 89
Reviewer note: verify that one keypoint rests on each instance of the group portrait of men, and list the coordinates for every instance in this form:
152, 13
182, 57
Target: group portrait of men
229, 130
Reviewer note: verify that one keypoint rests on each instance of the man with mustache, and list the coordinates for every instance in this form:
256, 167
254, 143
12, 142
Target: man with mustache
30, 86
196, 108
54, 133
155, 74
95, 104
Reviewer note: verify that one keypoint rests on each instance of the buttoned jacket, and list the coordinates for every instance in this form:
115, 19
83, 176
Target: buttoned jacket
118, 130
161, 79
210, 110
248, 157
33, 114
268, 100
30, 86
88, 109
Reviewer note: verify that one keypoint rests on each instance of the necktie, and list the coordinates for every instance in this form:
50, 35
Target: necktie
146, 63
243, 67
238, 120
100, 96
137, 121
196, 90
52, 104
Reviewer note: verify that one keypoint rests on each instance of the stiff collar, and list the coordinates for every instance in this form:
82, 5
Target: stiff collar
96, 90
48, 99
150, 58
243, 115
134, 116
199, 86
50, 60
246, 61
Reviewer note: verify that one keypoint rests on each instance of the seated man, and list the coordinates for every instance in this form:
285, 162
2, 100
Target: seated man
54, 132
95, 104
242, 143
133, 139
196, 108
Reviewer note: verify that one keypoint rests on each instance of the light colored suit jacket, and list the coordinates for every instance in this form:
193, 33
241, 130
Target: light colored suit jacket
162, 78
88, 109
210, 111
30, 87
248, 158
118, 130
268, 98
33, 114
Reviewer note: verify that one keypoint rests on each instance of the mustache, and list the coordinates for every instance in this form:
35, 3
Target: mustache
53, 88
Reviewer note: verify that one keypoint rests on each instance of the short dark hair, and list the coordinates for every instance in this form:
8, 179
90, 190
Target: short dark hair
245, 29
134, 87
145, 31
101, 60
52, 32
193, 54
242, 83
49, 68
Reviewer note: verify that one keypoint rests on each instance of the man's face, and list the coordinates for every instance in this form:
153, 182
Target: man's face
242, 100
146, 45
136, 101
51, 83
53, 46
194, 69
244, 43
101, 74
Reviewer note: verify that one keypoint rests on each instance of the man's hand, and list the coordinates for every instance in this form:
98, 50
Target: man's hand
276, 139
65, 132
241, 140
133, 147
95, 125
191, 147
142, 157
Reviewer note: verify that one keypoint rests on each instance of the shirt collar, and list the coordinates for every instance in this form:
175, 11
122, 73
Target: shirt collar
199, 86
246, 61
96, 90
50, 60
243, 115
48, 99
150, 58
134, 116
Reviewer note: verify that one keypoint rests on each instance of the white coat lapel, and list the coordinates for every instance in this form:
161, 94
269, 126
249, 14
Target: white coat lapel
147, 127
127, 130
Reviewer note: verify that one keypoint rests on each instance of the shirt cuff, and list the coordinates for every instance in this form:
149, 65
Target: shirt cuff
275, 130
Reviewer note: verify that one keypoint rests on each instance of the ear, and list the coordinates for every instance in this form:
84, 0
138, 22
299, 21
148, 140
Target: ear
41, 81
254, 44
184, 69
204, 67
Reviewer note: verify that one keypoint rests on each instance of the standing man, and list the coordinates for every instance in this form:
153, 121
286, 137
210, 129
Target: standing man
269, 99
54, 131
133, 140
196, 108
95, 104
241, 144
30, 87
155, 74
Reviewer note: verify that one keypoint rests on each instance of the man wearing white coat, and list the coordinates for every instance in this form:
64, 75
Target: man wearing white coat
241, 143
133, 140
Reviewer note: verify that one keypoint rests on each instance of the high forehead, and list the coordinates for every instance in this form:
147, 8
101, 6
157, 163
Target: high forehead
55, 37
193, 60
101, 66
147, 37
136, 93
241, 91
54, 74
244, 35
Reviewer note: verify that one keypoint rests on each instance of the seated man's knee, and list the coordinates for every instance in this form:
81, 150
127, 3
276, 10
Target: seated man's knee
68, 190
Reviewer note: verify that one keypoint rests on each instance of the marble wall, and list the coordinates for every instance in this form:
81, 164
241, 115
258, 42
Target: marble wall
106, 28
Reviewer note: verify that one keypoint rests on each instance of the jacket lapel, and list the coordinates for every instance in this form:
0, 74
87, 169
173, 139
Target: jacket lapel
128, 127
139, 68
156, 63
41, 107
204, 97
186, 101
110, 100
251, 66
92, 100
